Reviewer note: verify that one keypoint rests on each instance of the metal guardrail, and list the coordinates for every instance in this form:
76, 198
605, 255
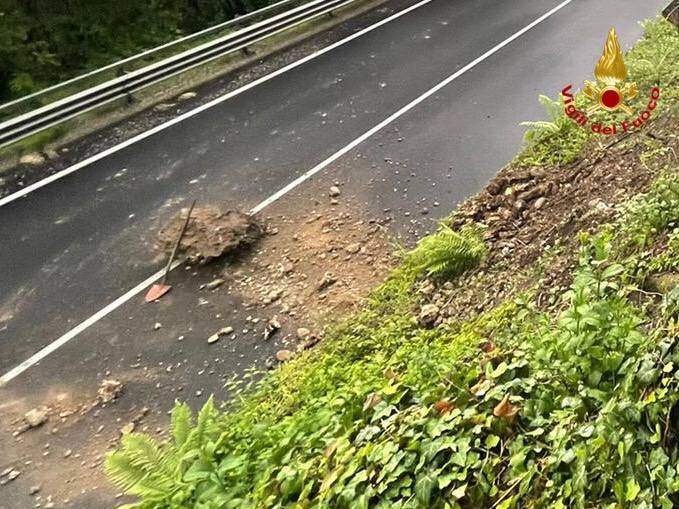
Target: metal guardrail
118, 65
32, 122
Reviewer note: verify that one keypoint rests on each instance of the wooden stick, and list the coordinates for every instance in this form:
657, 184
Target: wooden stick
176, 246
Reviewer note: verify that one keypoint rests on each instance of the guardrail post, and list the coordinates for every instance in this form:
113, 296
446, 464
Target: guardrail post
128, 95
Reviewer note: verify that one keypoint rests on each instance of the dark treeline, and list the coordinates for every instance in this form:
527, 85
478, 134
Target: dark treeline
43, 42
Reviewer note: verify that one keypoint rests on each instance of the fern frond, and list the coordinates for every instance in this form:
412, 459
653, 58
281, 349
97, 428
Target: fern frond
553, 108
145, 453
447, 252
205, 426
142, 467
122, 471
182, 418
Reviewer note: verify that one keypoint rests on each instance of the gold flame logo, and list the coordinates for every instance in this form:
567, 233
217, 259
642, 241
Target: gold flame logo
611, 66
610, 71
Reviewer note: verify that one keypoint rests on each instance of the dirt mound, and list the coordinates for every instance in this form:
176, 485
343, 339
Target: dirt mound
211, 233
528, 211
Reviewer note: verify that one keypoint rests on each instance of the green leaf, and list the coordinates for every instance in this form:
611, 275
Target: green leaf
632, 490
459, 492
492, 441
423, 488
587, 431
612, 271
181, 423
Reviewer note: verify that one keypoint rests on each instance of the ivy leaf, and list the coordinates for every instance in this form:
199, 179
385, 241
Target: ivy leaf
444, 480
587, 431
632, 490
423, 488
329, 480
459, 492
568, 456
500, 370
492, 441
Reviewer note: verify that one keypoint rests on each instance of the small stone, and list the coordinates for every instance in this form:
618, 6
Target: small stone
284, 355
540, 202
51, 153
13, 475
353, 248
273, 296
68, 453
109, 390
157, 326
36, 417
163, 107
221, 332
428, 315
127, 429
334, 192
186, 96
215, 283
327, 281
303, 333
32, 159
34, 489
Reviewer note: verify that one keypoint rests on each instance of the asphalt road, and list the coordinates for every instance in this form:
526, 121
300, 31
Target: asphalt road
75, 245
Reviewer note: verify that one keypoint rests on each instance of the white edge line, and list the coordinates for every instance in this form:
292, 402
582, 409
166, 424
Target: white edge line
403, 110
37, 357
161, 127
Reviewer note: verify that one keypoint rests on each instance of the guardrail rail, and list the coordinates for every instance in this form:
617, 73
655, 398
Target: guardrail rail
32, 122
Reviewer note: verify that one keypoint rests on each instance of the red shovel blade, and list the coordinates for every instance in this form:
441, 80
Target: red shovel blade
156, 292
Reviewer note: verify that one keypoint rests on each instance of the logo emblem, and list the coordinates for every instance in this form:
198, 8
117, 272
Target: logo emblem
611, 92
610, 72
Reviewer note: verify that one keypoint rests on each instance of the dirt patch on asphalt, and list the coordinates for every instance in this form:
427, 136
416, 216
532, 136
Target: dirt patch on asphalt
316, 267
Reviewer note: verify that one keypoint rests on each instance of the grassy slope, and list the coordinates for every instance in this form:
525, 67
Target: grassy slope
570, 404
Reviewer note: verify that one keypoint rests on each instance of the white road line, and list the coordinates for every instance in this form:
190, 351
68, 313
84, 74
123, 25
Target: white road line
405, 109
40, 355
161, 127
139, 288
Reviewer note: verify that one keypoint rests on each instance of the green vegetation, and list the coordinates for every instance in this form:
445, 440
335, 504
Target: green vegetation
447, 253
517, 406
43, 42
558, 140
568, 405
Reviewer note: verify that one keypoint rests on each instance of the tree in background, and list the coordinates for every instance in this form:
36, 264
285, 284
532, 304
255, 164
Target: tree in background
43, 42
